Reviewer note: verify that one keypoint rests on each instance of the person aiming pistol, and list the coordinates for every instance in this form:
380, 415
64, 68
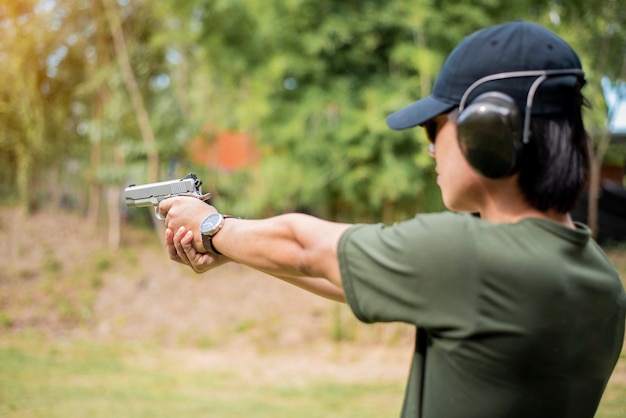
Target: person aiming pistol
518, 312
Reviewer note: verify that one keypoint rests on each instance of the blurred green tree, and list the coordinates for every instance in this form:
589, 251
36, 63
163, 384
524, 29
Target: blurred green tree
600, 33
34, 80
312, 81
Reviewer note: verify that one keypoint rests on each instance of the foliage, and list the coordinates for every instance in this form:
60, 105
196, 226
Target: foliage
317, 95
599, 36
311, 81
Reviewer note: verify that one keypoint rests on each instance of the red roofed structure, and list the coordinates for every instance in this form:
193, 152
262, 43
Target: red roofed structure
226, 151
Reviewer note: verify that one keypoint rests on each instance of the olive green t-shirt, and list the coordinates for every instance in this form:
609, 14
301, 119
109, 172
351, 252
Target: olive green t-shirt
513, 320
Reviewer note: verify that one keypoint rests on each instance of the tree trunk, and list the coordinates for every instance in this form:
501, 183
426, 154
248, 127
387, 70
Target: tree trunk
595, 183
141, 114
93, 208
113, 204
594, 195
23, 163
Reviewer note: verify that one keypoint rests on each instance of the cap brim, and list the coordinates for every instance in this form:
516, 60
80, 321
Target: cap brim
417, 113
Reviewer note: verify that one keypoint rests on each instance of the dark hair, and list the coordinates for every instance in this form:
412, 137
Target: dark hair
554, 165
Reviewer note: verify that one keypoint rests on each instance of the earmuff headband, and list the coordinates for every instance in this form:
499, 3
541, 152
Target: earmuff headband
541, 75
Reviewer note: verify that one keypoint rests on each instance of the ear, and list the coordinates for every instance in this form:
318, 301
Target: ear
490, 134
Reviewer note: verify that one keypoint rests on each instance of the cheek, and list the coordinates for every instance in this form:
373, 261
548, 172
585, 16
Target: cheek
459, 183
450, 160
448, 153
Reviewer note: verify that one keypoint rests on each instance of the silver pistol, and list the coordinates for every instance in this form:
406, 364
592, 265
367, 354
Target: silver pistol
144, 195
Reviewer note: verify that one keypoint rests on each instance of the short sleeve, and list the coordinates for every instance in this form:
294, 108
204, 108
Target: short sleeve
421, 271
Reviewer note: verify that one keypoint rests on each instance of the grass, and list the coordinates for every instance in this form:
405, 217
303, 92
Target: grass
39, 378
47, 378
613, 403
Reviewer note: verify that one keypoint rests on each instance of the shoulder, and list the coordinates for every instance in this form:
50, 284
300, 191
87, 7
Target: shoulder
425, 234
392, 272
428, 223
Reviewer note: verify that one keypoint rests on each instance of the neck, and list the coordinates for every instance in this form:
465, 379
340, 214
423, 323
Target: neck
507, 205
513, 216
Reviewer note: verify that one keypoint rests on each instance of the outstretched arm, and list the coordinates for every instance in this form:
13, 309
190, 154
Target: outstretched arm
297, 248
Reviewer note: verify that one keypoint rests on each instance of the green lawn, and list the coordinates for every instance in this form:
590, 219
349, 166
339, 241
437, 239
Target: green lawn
613, 403
40, 378
86, 379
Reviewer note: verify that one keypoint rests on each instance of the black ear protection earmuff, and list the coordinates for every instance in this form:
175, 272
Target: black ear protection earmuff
491, 129
490, 134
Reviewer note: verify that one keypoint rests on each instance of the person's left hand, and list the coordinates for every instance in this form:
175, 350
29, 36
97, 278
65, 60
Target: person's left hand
183, 241
180, 249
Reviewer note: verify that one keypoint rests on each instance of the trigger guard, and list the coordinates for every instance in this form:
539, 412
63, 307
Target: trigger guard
158, 214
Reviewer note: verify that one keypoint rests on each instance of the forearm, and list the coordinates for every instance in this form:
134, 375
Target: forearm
287, 246
297, 248
317, 286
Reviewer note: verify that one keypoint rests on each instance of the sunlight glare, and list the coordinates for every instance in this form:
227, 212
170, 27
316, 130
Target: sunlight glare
45, 6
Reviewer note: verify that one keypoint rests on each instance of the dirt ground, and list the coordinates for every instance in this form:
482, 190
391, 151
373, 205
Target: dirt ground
58, 277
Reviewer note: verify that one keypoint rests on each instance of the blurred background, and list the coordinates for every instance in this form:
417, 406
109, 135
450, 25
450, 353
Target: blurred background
277, 105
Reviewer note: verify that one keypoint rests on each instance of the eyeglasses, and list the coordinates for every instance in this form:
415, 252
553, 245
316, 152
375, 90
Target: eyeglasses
432, 128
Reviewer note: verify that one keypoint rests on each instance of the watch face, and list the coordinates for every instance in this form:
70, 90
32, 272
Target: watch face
211, 224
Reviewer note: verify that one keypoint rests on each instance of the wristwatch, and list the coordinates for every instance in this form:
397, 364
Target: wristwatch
209, 227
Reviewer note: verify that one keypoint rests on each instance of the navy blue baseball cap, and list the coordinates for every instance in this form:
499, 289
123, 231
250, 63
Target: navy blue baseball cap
510, 47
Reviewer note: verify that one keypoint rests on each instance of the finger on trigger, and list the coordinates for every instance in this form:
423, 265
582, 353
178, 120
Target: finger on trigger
164, 207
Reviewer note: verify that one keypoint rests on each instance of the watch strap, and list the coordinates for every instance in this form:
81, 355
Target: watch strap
207, 240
